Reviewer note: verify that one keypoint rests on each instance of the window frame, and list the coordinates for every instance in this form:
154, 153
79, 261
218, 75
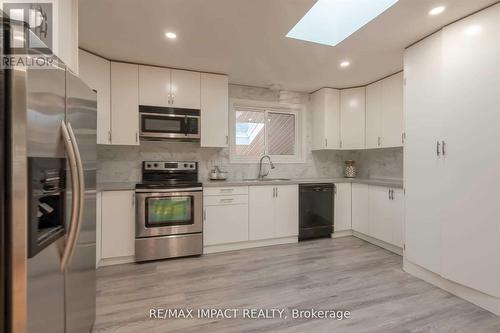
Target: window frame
267, 107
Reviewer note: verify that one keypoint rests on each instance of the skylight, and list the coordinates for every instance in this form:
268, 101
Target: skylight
329, 22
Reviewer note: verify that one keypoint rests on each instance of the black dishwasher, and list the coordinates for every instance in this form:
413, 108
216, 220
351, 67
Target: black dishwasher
315, 210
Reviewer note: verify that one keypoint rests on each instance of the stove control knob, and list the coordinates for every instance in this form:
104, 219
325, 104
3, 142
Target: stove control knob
148, 165
185, 165
155, 165
192, 166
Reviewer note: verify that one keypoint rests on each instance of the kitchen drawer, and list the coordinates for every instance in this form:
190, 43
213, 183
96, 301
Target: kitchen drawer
217, 200
208, 191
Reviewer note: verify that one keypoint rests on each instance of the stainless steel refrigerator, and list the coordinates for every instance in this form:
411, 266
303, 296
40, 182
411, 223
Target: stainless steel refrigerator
48, 197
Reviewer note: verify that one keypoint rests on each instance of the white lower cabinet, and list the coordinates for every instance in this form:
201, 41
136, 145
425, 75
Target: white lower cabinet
117, 224
360, 215
342, 207
377, 211
286, 211
225, 219
273, 211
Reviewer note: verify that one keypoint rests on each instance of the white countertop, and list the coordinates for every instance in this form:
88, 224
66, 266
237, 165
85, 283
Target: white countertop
396, 183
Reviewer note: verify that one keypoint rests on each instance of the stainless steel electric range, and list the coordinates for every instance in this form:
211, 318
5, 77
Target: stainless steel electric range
169, 211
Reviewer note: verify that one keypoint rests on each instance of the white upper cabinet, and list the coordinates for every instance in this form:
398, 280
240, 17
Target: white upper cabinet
185, 89
154, 86
169, 87
384, 113
374, 115
95, 71
214, 110
325, 107
124, 104
392, 111
352, 118
342, 207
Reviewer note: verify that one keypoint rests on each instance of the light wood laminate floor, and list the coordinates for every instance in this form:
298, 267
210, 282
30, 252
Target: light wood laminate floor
345, 273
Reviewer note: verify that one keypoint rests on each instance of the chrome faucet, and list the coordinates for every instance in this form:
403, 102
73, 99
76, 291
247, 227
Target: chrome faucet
262, 174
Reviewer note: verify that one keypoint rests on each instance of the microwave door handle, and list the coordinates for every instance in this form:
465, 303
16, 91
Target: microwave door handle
75, 200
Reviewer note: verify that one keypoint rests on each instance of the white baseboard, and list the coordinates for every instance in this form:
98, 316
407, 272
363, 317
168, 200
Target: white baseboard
378, 242
478, 298
247, 245
342, 233
116, 261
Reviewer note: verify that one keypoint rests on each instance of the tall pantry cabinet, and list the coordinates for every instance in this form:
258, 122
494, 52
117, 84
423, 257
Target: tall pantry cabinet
452, 155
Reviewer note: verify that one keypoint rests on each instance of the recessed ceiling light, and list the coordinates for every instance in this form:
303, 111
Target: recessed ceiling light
437, 10
171, 35
345, 64
329, 22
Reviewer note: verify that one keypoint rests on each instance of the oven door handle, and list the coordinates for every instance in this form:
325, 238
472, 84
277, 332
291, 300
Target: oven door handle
170, 190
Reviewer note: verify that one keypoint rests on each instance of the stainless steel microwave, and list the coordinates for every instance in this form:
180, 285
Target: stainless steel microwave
165, 123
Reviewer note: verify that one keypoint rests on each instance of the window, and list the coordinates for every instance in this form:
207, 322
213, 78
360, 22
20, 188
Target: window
258, 130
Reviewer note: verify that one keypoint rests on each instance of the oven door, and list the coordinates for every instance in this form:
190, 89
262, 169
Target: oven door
169, 126
168, 212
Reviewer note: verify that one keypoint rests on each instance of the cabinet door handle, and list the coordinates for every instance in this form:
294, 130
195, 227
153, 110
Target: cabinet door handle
389, 194
438, 148
326, 143
226, 200
226, 190
379, 138
227, 139
443, 147
392, 194
276, 192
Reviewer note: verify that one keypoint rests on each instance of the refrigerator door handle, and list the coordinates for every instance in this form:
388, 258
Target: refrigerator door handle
75, 201
81, 180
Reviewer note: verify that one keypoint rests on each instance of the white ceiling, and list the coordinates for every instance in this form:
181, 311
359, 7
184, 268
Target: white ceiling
246, 38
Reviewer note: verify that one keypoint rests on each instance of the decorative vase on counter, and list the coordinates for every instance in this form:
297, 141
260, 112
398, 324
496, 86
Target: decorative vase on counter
349, 169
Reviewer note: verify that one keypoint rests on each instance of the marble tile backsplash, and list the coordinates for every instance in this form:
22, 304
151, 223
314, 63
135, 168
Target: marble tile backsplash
123, 163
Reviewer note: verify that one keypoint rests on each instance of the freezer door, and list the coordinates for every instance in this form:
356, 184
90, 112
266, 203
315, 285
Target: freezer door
81, 113
45, 111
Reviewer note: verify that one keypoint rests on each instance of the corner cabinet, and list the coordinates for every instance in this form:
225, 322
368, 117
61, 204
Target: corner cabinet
384, 113
377, 212
214, 110
352, 118
96, 73
273, 212
325, 107
124, 104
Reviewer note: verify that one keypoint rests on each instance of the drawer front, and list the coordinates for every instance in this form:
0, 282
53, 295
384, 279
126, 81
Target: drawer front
209, 191
218, 200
